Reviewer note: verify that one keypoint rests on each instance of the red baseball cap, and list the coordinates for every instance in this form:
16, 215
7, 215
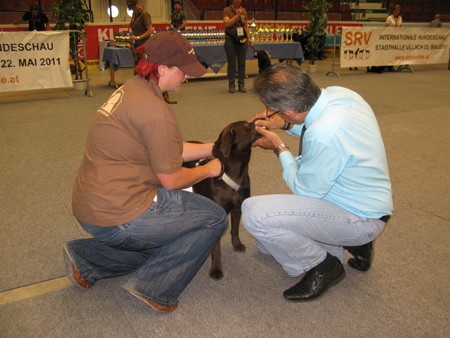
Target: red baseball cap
172, 49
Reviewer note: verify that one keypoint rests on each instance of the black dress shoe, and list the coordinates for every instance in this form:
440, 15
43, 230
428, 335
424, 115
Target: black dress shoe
315, 283
363, 256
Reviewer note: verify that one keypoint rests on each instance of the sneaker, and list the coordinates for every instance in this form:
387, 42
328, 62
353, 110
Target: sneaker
153, 305
73, 273
231, 89
242, 89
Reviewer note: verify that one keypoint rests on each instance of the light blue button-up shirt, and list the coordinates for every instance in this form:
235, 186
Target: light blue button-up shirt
343, 160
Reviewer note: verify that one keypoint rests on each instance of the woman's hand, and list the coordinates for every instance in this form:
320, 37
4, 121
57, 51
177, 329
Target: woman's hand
214, 167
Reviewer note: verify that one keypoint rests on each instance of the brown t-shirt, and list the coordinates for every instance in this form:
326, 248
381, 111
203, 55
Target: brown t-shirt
230, 12
139, 23
133, 136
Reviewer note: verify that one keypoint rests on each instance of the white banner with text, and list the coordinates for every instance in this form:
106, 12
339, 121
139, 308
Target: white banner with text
34, 60
388, 46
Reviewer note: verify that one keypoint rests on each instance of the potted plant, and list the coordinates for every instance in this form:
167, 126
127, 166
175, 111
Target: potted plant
317, 13
72, 15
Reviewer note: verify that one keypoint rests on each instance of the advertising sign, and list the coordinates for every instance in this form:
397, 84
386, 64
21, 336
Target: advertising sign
393, 46
34, 60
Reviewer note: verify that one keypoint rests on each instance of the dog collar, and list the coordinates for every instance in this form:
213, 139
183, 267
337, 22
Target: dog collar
223, 176
230, 182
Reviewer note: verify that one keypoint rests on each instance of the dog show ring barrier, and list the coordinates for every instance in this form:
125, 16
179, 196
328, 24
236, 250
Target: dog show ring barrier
79, 72
336, 44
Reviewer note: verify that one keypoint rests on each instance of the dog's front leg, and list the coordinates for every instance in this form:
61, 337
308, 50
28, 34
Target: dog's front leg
215, 272
235, 220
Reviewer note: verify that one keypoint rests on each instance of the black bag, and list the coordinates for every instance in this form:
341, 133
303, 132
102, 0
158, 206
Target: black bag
238, 39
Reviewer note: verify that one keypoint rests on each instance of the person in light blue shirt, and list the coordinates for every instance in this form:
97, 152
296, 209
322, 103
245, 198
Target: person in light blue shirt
341, 191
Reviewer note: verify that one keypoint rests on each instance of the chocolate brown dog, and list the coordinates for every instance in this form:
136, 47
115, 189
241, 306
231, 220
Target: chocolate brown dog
233, 148
263, 59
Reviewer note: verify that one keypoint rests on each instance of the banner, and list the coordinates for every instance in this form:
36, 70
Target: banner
388, 46
34, 60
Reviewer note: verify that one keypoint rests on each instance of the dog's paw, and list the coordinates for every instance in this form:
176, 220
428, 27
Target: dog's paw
216, 274
238, 246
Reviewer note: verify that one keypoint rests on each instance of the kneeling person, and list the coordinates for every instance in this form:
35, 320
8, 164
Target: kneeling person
341, 188
128, 195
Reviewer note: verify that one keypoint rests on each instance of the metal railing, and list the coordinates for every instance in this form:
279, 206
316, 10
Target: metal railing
87, 90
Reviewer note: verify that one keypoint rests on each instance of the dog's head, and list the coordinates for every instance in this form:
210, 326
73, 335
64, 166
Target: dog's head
237, 137
261, 54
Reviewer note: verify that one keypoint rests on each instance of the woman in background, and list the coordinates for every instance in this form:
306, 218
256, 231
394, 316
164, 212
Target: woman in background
141, 23
37, 20
237, 36
395, 19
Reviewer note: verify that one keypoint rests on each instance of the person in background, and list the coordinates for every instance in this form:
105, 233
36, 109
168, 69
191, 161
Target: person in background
179, 20
395, 19
141, 29
37, 20
141, 23
237, 37
127, 193
341, 191
436, 22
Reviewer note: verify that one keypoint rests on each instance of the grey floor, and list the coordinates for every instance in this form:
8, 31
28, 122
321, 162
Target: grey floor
405, 294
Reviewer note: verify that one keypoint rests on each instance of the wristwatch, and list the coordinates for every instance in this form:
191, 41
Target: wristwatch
278, 149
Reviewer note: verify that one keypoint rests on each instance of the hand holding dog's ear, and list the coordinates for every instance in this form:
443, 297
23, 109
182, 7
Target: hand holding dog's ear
270, 140
274, 122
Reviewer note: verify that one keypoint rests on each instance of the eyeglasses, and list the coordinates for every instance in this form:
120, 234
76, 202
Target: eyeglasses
270, 115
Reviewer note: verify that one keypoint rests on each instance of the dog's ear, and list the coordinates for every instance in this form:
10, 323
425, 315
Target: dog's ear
226, 140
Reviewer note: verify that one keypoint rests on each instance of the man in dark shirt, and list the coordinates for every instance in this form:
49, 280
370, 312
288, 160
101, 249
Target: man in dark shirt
179, 20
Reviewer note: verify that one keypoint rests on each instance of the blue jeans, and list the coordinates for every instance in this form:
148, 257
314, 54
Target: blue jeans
162, 249
298, 231
235, 51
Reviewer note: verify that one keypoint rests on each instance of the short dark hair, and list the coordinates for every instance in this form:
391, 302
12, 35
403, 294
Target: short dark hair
177, 2
284, 87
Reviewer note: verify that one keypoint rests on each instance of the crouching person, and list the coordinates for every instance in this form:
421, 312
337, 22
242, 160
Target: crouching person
128, 195
341, 191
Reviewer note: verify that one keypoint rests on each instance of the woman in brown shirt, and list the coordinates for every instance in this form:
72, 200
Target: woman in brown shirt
237, 35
